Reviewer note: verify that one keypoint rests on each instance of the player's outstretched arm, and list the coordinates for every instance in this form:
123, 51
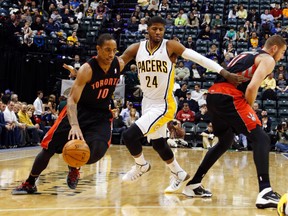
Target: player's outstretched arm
128, 55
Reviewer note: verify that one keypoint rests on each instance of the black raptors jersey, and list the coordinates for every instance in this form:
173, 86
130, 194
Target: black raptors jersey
243, 64
98, 92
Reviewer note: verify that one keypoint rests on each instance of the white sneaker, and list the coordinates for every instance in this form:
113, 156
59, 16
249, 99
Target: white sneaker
136, 172
196, 190
267, 198
177, 181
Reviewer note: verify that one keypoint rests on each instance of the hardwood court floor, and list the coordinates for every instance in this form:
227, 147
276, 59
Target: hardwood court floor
100, 192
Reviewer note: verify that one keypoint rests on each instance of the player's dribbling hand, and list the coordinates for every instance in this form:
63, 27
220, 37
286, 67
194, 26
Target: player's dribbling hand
75, 133
232, 78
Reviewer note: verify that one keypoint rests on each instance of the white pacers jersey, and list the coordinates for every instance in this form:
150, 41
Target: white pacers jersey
156, 75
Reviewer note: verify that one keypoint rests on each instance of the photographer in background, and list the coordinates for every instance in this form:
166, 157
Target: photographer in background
177, 134
282, 138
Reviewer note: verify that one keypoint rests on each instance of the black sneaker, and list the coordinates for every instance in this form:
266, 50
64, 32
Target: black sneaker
267, 198
24, 188
196, 190
73, 177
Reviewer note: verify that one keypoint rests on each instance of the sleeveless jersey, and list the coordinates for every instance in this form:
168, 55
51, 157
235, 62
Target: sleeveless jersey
98, 92
155, 71
243, 64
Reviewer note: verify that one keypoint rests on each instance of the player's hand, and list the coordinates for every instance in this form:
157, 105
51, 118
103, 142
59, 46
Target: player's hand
75, 133
232, 78
71, 69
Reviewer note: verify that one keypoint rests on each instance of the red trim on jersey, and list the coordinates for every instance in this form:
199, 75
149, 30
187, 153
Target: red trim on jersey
244, 110
234, 60
49, 135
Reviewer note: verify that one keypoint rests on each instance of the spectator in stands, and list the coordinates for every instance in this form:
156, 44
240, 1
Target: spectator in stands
74, 4
72, 41
28, 34
242, 36
169, 21
142, 27
214, 35
26, 17
205, 34
125, 113
280, 69
284, 33
164, 6
197, 73
257, 110
131, 80
118, 25
253, 42
181, 73
69, 20
38, 106
52, 29
118, 125
180, 21
143, 4
209, 139
269, 86
276, 12
206, 21
185, 114
79, 13
253, 15
217, 22
89, 13
59, 4
263, 39
242, 12
189, 43
285, 10
57, 19
230, 50
180, 93
266, 122
153, 7
193, 21
176, 134
4, 127
267, 22
281, 84
38, 27
137, 13
34, 131
247, 25
132, 117
282, 139
197, 94
202, 115
278, 28
101, 10
94, 4
233, 13
227, 58
14, 98
255, 27
193, 105
214, 52
132, 29
207, 8
230, 36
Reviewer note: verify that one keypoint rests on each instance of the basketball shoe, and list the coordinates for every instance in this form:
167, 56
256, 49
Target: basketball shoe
267, 198
196, 190
24, 188
177, 181
136, 172
73, 177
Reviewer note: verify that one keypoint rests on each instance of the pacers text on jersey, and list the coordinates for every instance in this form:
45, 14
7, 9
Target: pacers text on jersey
105, 82
152, 66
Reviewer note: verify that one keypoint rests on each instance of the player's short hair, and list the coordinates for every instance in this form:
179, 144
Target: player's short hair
104, 37
275, 40
156, 19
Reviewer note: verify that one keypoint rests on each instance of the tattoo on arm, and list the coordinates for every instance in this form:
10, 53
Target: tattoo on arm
72, 114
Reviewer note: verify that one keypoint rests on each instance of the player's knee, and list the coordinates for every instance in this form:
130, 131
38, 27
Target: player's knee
131, 137
97, 151
226, 139
160, 145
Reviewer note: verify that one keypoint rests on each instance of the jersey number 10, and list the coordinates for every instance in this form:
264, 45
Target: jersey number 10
102, 93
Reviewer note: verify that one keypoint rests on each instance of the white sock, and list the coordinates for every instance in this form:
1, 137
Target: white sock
174, 166
140, 160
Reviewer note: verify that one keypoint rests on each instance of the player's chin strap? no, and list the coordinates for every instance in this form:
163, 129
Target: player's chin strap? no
201, 60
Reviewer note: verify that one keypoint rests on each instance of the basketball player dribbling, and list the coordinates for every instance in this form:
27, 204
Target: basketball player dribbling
231, 112
155, 60
87, 115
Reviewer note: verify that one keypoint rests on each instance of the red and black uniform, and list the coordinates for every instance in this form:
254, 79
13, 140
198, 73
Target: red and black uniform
93, 110
228, 103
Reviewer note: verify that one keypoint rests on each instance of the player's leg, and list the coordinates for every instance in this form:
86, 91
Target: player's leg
132, 139
179, 176
261, 147
40, 163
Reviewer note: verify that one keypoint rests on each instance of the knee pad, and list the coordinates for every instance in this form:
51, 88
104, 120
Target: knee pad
160, 145
97, 151
132, 139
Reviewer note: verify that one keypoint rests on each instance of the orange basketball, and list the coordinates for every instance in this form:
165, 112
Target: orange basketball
76, 153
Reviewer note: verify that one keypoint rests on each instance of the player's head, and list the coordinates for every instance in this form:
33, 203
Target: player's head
156, 28
106, 48
276, 46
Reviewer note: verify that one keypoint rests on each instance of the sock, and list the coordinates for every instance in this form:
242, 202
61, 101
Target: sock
199, 175
175, 167
32, 179
264, 182
140, 160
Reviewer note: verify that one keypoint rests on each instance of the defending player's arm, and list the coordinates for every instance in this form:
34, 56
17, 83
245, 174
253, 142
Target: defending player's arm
190, 54
72, 70
128, 55
265, 66
83, 76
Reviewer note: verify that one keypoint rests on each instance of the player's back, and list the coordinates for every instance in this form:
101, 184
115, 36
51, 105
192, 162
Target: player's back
155, 71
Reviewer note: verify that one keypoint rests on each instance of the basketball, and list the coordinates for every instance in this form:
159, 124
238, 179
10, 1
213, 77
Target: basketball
76, 153
282, 208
